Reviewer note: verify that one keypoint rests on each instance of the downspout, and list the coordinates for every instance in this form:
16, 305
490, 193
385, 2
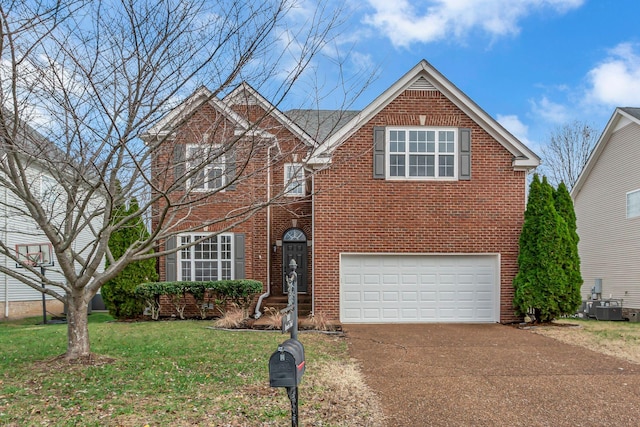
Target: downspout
6, 259
257, 313
313, 244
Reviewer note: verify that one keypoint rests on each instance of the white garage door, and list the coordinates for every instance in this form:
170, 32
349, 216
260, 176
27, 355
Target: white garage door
418, 288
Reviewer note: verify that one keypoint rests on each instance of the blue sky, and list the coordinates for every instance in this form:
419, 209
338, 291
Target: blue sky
531, 64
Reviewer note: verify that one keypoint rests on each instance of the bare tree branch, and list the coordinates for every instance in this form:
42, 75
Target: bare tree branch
81, 81
567, 152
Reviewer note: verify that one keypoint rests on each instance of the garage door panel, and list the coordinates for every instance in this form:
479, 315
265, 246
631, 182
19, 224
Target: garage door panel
390, 296
409, 288
371, 296
352, 296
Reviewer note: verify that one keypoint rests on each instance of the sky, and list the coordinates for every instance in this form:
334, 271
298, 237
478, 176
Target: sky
533, 65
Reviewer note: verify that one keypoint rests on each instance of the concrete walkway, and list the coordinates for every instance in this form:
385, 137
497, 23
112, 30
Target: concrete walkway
492, 375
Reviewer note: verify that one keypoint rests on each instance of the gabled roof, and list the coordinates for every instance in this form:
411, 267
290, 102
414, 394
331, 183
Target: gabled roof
165, 126
425, 77
244, 94
622, 116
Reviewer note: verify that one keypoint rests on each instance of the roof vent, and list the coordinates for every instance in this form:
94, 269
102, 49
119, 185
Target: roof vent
422, 84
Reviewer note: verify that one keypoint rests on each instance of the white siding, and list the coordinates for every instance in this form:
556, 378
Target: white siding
16, 227
609, 242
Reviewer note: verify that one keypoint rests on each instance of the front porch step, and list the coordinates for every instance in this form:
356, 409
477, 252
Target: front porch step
279, 302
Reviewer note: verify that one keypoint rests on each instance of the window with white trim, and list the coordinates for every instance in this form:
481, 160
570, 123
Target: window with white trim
633, 204
49, 191
210, 259
210, 164
422, 153
294, 179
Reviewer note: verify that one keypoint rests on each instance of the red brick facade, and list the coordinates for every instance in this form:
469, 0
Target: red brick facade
348, 211
482, 215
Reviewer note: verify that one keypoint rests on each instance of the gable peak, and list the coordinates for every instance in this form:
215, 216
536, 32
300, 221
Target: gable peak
421, 84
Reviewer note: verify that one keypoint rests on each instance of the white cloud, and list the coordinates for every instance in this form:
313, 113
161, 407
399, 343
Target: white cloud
404, 23
550, 111
616, 81
512, 123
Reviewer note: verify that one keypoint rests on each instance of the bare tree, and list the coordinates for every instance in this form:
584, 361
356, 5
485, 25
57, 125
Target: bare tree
567, 152
83, 80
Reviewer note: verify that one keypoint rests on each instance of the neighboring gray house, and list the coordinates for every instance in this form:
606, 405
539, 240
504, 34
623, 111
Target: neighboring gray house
607, 204
16, 298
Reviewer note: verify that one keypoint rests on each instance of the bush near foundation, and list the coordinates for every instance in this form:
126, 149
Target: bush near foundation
210, 298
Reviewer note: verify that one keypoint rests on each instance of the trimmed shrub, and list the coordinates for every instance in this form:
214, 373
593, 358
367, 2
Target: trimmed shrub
207, 295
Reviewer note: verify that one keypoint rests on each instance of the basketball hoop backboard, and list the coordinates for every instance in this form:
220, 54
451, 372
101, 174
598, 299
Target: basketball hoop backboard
34, 254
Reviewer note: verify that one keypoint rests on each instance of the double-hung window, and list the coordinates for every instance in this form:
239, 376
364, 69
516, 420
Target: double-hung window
294, 179
421, 153
207, 165
210, 259
633, 204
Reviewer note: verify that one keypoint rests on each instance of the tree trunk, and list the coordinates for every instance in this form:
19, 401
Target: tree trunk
77, 328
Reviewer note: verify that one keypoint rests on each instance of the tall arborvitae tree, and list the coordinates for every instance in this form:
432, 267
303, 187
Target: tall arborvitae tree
541, 280
119, 292
571, 264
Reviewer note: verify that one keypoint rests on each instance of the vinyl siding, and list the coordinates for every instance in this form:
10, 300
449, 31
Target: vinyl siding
609, 242
15, 228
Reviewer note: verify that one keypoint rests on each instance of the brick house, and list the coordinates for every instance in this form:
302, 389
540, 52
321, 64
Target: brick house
407, 211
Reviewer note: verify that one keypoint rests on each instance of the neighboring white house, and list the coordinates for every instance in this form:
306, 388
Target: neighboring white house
16, 227
607, 205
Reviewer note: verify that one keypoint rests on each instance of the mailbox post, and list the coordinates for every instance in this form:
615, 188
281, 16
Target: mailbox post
287, 364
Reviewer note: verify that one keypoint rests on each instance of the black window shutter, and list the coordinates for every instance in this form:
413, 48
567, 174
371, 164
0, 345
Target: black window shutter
171, 260
378, 152
179, 165
239, 259
464, 140
230, 160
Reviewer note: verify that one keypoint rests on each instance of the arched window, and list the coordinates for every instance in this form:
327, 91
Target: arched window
294, 235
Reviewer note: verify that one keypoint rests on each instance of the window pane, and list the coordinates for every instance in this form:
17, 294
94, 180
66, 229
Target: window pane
417, 141
446, 141
397, 141
225, 273
431, 141
445, 165
185, 273
294, 179
431, 165
197, 181
397, 165
417, 165
206, 270
225, 247
215, 178
633, 204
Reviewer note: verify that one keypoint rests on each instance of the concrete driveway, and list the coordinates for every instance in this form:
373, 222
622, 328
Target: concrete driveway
491, 375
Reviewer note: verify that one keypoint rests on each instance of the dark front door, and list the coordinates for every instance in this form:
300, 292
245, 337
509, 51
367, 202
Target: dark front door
295, 250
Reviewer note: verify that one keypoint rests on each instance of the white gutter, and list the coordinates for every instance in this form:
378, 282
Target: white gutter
257, 313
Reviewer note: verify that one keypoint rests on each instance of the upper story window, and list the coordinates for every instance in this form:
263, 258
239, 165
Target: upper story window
294, 179
633, 204
422, 153
210, 259
210, 164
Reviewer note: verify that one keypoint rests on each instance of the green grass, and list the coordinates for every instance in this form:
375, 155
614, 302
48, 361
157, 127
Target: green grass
162, 373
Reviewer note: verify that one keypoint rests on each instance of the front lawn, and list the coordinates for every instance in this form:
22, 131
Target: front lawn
178, 373
619, 339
